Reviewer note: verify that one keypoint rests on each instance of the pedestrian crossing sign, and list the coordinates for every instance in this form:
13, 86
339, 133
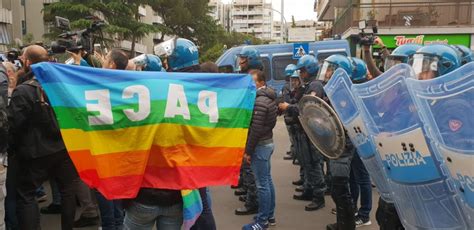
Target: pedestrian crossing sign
300, 49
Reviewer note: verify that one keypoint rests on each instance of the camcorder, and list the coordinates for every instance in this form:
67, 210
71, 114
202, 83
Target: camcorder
74, 41
366, 38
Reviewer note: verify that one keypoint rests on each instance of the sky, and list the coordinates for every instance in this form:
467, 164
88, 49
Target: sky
301, 9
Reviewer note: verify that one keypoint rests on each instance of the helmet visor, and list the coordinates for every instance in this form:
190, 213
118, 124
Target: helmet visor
393, 60
326, 71
140, 60
165, 49
425, 66
295, 80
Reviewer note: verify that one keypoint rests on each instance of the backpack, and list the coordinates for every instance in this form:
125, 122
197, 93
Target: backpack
44, 113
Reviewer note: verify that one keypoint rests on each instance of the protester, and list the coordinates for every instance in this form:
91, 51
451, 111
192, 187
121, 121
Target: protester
111, 211
36, 141
4, 95
259, 150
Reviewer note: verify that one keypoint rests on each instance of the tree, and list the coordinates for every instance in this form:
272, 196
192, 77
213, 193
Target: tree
122, 17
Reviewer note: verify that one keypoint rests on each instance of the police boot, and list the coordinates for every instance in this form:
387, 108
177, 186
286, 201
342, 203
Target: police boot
331, 226
306, 196
344, 206
316, 204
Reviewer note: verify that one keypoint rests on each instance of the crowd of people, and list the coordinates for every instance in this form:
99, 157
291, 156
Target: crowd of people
32, 147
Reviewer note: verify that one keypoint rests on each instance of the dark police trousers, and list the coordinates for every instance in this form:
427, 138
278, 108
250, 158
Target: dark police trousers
312, 162
387, 216
248, 179
32, 174
292, 129
340, 192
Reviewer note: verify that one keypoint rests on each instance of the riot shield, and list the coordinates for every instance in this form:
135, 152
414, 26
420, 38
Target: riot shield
421, 192
446, 106
322, 126
338, 90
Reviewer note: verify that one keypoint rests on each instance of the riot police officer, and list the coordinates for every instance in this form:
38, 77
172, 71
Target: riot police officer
340, 168
249, 59
285, 92
312, 160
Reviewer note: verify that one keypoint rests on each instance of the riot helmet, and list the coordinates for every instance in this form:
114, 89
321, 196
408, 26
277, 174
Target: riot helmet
434, 60
359, 70
401, 54
295, 80
180, 53
308, 67
249, 58
289, 70
466, 54
332, 63
148, 62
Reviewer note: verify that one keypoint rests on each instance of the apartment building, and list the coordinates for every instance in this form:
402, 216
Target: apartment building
401, 21
253, 17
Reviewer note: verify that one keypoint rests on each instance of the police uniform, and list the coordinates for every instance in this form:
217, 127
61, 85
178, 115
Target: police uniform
311, 158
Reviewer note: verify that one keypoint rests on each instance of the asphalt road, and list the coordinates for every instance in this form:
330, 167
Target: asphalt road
290, 214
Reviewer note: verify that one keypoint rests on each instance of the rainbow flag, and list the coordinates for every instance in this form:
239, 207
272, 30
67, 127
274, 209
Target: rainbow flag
192, 207
125, 130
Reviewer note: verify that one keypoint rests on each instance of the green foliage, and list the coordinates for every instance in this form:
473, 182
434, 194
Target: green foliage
28, 38
121, 15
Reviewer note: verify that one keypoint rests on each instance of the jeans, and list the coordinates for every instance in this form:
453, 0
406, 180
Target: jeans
360, 182
143, 217
261, 166
111, 213
33, 173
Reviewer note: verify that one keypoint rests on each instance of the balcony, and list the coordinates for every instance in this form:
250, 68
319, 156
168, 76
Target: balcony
5, 16
247, 12
49, 1
407, 15
250, 21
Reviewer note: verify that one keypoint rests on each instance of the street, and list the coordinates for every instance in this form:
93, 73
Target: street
290, 213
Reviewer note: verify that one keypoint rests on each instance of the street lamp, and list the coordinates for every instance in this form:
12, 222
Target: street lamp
283, 24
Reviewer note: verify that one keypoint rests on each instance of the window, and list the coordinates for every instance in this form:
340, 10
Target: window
279, 65
267, 68
322, 56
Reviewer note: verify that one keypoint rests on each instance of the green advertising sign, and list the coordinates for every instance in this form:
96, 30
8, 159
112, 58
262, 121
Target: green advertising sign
393, 41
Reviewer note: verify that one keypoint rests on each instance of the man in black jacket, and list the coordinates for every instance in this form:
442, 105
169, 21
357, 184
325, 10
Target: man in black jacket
3, 140
259, 149
37, 143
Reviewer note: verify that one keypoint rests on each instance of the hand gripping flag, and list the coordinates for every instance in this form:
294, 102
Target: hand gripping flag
125, 130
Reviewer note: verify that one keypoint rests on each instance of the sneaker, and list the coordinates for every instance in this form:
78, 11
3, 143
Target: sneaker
255, 226
272, 221
41, 198
240, 192
359, 221
299, 188
298, 182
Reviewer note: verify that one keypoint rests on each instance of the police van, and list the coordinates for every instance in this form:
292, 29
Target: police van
276, 57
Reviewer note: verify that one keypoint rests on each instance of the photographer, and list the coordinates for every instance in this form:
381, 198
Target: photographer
83, 58
372, 67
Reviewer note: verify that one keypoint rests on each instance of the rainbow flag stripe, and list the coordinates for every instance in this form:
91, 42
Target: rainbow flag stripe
192, 207
125, 130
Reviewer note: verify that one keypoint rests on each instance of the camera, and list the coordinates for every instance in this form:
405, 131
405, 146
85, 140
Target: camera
74, 41
366, 38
